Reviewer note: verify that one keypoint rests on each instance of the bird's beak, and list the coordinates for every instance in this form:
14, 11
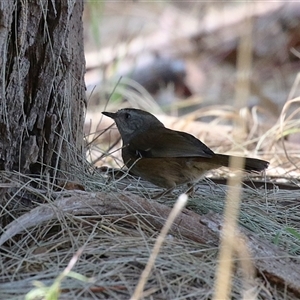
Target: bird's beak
109, 114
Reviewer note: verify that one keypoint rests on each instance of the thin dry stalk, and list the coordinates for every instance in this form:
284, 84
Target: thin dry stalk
179, 205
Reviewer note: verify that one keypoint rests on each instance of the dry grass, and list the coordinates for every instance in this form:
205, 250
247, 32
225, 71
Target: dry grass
114, 253
269, 213
108, 254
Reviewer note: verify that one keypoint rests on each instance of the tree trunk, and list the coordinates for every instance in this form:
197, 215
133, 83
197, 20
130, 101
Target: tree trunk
42, 89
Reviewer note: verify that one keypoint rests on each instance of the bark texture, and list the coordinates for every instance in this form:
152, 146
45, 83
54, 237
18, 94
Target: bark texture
42, 91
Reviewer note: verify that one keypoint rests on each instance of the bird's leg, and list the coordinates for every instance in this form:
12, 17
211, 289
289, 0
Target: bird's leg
191, 189
165, 192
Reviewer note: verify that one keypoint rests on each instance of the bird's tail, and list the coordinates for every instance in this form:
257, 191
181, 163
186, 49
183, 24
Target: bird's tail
251, 164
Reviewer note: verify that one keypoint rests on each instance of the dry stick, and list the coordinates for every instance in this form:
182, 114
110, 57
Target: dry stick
179, 205
223, 281
228, 239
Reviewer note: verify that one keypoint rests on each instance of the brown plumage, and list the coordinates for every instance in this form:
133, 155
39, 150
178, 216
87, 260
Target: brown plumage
166, 157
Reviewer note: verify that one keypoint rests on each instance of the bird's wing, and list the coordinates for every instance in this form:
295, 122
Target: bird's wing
169, 143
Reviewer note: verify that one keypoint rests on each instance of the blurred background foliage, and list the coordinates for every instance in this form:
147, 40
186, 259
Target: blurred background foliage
185, 53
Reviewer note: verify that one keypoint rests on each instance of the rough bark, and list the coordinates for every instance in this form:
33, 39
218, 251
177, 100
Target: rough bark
42, 90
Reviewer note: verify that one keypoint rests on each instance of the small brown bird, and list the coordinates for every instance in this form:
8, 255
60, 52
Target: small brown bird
166, 157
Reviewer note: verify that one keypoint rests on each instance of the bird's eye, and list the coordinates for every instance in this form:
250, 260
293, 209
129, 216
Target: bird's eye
127, 116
